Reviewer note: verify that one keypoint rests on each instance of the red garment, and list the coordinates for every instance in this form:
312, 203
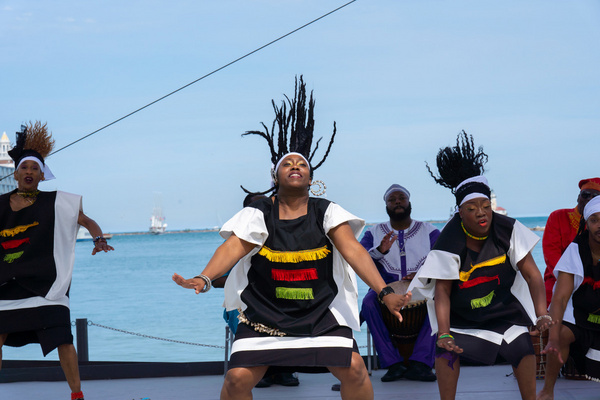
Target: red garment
561, 229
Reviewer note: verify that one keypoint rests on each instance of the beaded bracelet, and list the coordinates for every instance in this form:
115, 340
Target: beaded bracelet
545, 316
207, 283
99, 239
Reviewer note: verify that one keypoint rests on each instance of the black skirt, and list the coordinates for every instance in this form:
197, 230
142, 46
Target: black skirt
294, 353
50, 326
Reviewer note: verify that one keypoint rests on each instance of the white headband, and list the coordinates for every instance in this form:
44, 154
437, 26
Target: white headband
471, 196
44, 167
289, 154
592, 207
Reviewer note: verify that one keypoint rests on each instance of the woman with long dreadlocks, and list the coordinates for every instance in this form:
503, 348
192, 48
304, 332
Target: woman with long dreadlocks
295, 291
38, 231
485, 283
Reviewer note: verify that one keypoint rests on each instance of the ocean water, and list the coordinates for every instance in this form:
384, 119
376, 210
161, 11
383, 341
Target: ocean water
131, 290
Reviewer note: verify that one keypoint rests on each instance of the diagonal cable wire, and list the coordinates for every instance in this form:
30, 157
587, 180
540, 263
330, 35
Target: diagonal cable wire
201, 78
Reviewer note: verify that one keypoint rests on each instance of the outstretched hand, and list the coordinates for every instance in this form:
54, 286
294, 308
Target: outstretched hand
552, 347
395, 302
387, 242
101, 246
449, 344
194, 283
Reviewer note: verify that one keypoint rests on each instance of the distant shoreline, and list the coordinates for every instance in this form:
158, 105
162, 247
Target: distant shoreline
217, 229
165, 233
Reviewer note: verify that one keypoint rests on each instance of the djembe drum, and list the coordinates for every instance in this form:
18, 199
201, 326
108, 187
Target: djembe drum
404, 333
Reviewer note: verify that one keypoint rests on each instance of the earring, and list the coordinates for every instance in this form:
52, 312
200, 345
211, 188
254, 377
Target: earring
320, 190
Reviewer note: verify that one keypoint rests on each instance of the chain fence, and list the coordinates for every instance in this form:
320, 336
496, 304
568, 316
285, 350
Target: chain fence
91, 323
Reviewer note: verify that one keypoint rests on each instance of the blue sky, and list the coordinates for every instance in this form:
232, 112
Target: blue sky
400, 78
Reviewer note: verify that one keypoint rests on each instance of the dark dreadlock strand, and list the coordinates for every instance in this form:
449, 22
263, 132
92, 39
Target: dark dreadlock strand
581, 228
283, 122
294, 120
455, 164
302, 122
268, 137
257, 193
328, 147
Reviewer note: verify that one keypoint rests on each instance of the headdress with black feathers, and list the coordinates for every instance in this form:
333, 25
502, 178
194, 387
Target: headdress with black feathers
294, 122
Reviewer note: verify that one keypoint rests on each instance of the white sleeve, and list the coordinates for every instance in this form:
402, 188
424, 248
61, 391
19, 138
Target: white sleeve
248, 224
570, 263
522, 241
336, 215
66, 215
439, 264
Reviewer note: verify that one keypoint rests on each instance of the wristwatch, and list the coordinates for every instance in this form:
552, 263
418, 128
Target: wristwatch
384, 292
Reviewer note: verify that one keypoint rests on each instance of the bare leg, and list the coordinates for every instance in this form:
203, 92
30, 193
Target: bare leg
525, 374
239, 382
2, 340
355, 382
447, 377
553, 365
68, 361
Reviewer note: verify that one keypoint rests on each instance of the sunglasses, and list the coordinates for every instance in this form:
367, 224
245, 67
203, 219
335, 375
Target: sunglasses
585, 195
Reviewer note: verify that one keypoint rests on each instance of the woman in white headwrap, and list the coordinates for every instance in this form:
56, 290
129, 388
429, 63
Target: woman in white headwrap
482, 277
294, 283
38, 231
576, 303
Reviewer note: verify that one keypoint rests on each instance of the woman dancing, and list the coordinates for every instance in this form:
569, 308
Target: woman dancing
482, 277
38, 231
296, 294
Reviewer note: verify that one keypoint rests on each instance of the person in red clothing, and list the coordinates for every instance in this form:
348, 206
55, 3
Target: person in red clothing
561, 229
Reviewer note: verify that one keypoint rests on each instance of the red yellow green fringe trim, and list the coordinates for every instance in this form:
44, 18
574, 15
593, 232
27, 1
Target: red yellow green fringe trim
590, 281
9, 258
594, 319
288, 275
294, 293
482, 301
13, 244
16, 230
478, 281
294, 256
464, 276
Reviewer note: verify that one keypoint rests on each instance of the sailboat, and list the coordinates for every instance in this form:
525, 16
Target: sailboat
157, 220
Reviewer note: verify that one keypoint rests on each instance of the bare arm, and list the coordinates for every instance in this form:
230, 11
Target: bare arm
534, 280
443, 288
224, 258
562, 293
94, 230
362, 263
219, 282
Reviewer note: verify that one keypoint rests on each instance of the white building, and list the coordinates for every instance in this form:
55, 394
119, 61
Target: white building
7, 167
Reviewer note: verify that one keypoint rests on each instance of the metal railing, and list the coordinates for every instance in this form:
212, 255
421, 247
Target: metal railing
81, 327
